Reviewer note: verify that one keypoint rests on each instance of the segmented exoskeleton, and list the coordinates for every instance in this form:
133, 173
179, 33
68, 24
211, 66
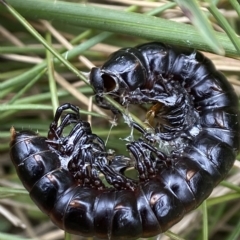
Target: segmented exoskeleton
188, 94
61, 174
196, 110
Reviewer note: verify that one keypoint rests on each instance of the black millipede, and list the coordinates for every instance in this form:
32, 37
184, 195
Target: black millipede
194, 108
189, 97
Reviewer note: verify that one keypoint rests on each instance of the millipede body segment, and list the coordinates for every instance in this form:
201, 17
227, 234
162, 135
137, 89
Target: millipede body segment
193, 108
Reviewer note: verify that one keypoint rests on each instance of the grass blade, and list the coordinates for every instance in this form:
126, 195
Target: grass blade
200, 21
225, 25
133, 24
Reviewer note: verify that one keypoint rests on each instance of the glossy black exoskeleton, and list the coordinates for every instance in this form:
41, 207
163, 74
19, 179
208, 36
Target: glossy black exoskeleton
190, 99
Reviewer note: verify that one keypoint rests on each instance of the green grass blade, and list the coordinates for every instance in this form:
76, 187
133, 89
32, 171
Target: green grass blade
42, 40
230, 186
236, 6
67, 236
205, 220
235, 234
25, 107
161, 9
225, 25
28, 86
5, 236
192, 10
172, 235
52, 83
133, 24
221, 199
15, 191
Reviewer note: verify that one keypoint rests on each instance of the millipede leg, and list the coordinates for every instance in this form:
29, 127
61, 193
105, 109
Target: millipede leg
114, 178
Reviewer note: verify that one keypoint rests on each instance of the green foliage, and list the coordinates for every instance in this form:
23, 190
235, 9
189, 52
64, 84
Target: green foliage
34, 80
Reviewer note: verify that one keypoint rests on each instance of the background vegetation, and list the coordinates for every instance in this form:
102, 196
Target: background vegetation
85, 33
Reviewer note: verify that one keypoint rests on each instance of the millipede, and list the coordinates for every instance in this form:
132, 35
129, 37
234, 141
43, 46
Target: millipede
193, 109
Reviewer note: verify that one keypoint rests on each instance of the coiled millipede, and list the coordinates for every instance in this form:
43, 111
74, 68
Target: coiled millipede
196, 111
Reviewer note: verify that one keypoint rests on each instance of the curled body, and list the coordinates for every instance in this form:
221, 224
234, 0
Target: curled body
183, 85
194, 108
61, 172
